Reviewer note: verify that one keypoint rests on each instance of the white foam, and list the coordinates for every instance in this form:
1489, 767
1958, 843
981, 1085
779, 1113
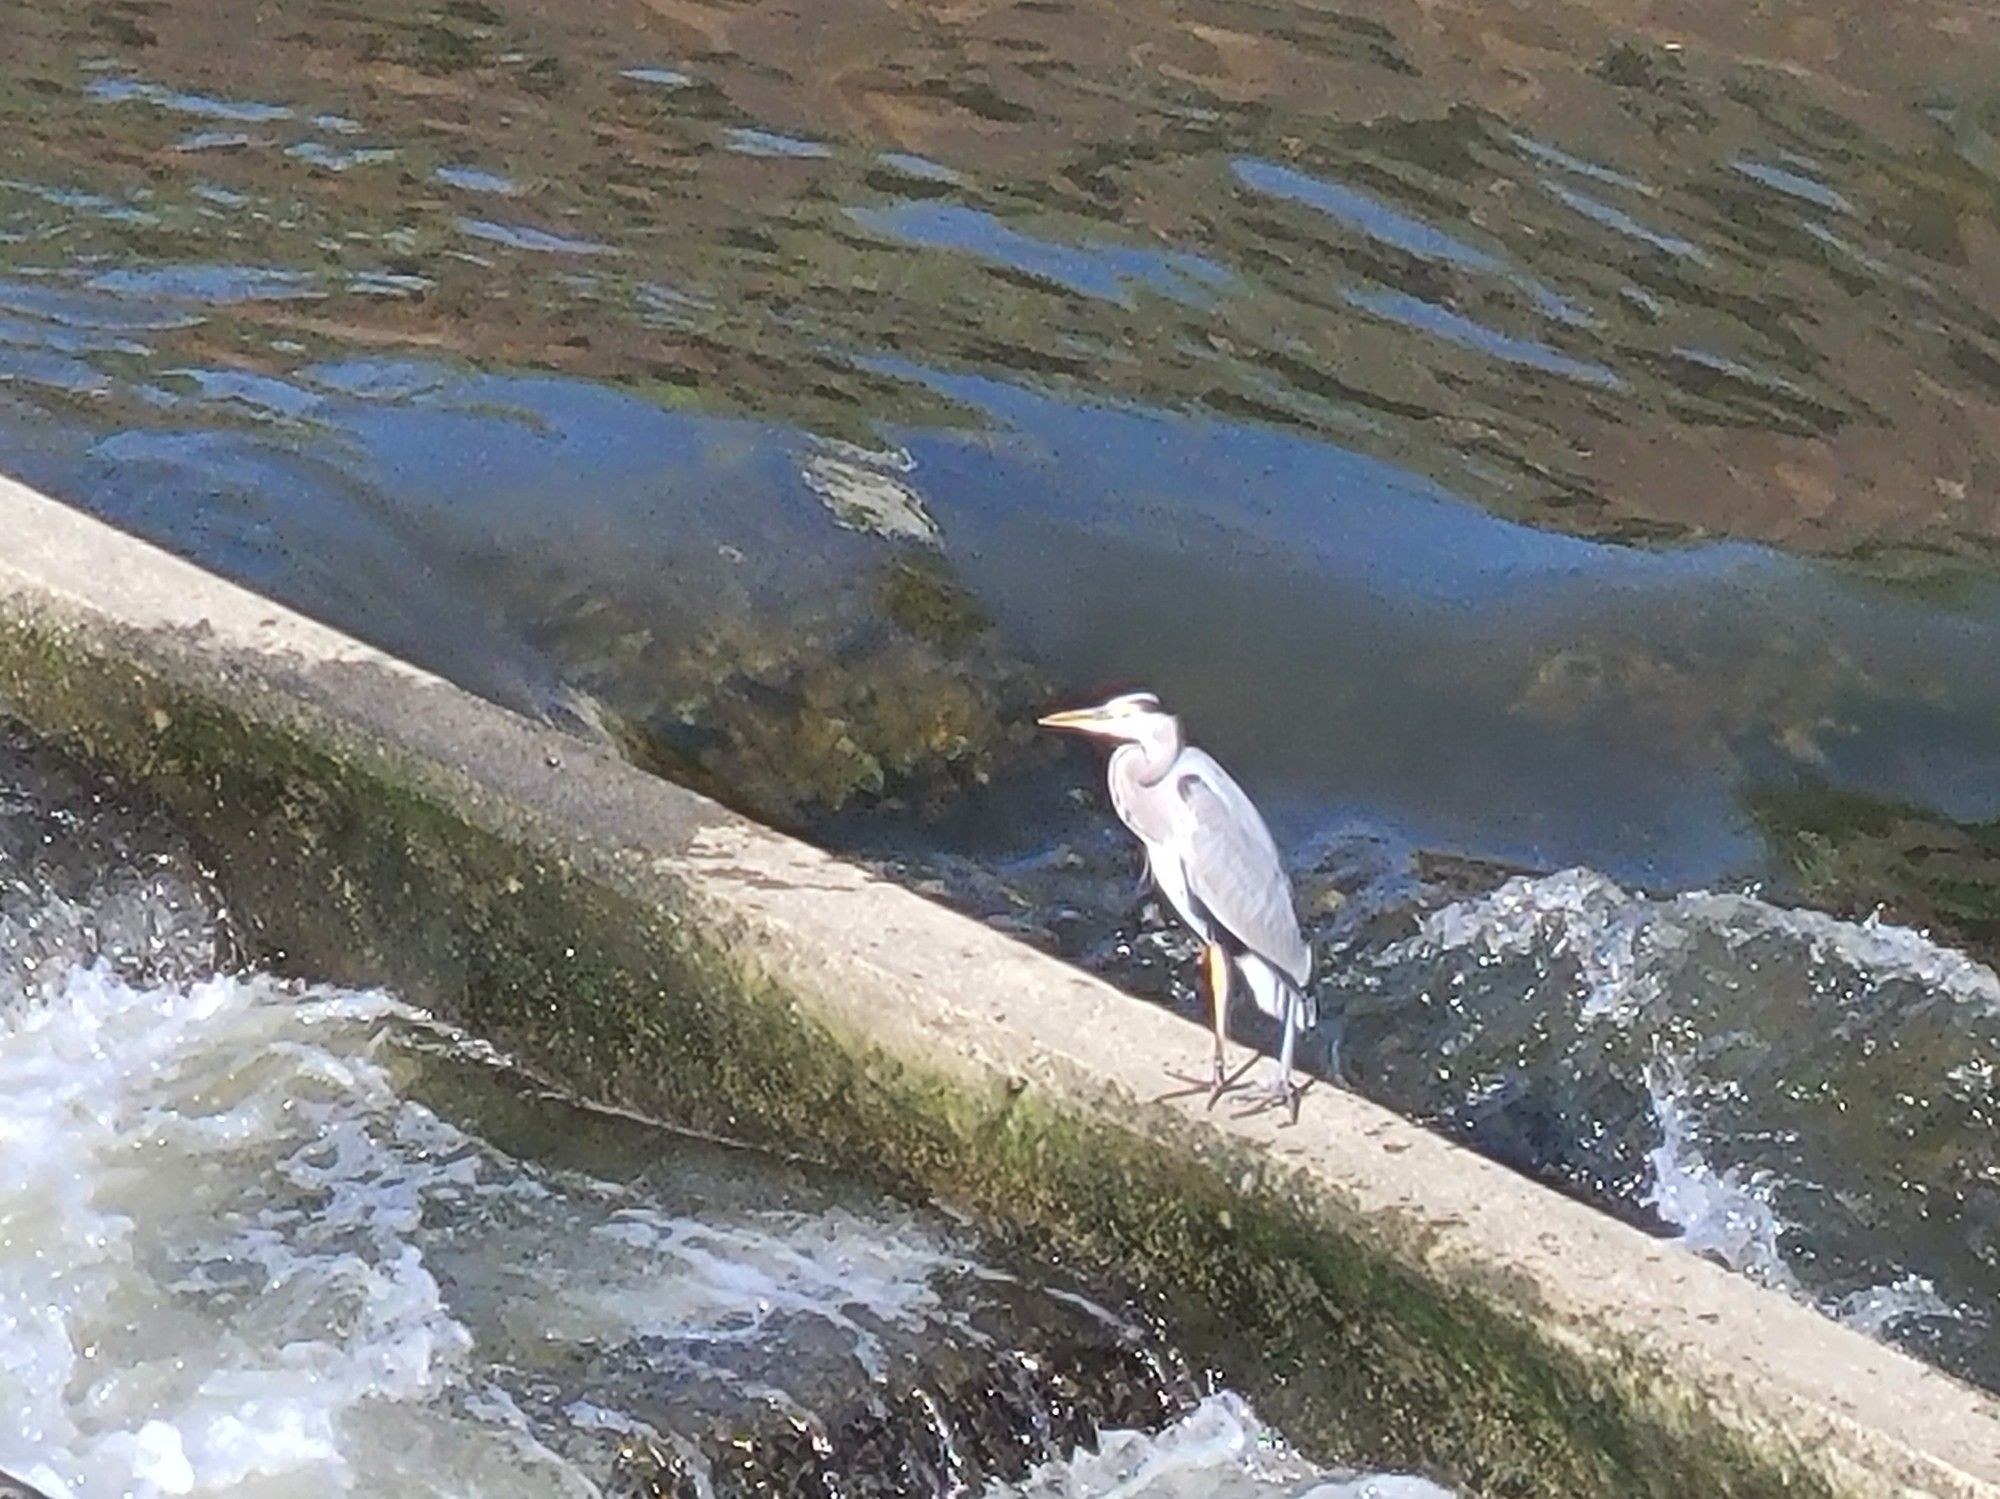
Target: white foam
734, 1282
1728, 1214
1878, 949
235, 1258
1577, 913
139, 925
1632, 955
1881, 1309
1624, 945
225, 1238
587, 1267
167, 1324
1219, 1450
1724, 1213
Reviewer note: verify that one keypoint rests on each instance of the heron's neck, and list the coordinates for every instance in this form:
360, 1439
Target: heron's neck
1151, 759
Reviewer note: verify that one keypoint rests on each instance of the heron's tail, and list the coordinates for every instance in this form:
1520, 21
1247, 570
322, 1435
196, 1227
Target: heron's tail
1271, 989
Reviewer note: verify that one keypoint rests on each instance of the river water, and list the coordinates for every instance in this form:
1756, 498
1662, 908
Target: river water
1550, 451
261, 1238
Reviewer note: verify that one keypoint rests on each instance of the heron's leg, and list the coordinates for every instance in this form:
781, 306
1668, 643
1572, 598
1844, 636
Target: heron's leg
1218, 1002
1215, 971
1281, 1090
1290, 1040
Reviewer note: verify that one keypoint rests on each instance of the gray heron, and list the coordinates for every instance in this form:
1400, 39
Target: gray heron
1210, 854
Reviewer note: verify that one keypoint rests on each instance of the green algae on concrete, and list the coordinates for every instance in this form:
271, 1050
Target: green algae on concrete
343, 864
1387, 1298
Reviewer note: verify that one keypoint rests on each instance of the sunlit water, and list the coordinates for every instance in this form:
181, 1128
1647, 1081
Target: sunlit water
265, 1239
238, 1257
1561, 438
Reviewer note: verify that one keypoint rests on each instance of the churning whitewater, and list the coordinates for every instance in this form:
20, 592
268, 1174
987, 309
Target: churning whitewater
1806, 1098
236, 1258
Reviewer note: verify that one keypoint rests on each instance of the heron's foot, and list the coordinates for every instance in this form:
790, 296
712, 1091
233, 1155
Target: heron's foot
1278, 1092
1215, 1083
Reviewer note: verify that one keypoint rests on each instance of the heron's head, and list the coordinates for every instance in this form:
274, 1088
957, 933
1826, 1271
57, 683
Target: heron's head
1131, 718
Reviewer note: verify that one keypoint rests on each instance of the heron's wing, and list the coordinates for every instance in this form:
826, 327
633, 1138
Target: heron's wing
1233, 867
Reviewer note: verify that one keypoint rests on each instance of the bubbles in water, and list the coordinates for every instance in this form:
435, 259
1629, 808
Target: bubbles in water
85, 878
1881, 1309
212, 1245
1577, 914
238, 1255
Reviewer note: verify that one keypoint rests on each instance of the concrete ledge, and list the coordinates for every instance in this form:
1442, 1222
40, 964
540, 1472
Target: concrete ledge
1387, 1296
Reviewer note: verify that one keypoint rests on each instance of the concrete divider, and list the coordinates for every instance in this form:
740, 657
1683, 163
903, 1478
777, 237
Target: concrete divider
1387, 1296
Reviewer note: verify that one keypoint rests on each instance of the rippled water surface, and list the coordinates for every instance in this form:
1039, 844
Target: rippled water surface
1551, 451
814, 391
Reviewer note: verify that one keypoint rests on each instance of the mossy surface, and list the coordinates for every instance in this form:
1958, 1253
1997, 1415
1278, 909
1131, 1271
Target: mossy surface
1856, 854
892, 689
348, 860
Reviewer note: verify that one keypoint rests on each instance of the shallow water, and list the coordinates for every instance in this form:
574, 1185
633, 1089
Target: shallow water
1557, 438
264, 1238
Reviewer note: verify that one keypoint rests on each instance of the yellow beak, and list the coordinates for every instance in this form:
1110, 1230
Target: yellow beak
1071, 718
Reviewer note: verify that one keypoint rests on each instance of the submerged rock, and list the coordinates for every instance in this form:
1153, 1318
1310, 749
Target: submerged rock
897, 693
1014, 1383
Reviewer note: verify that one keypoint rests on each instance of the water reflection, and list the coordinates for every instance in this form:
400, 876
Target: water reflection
119, 90
1644, 202
214, 284
474, 180
1623, 222
525, 237
1094, 269
1469, 333
1462, 679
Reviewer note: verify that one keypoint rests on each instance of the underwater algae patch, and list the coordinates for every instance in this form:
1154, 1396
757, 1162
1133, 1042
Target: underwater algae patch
1856, 854
891, 693
348, 858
